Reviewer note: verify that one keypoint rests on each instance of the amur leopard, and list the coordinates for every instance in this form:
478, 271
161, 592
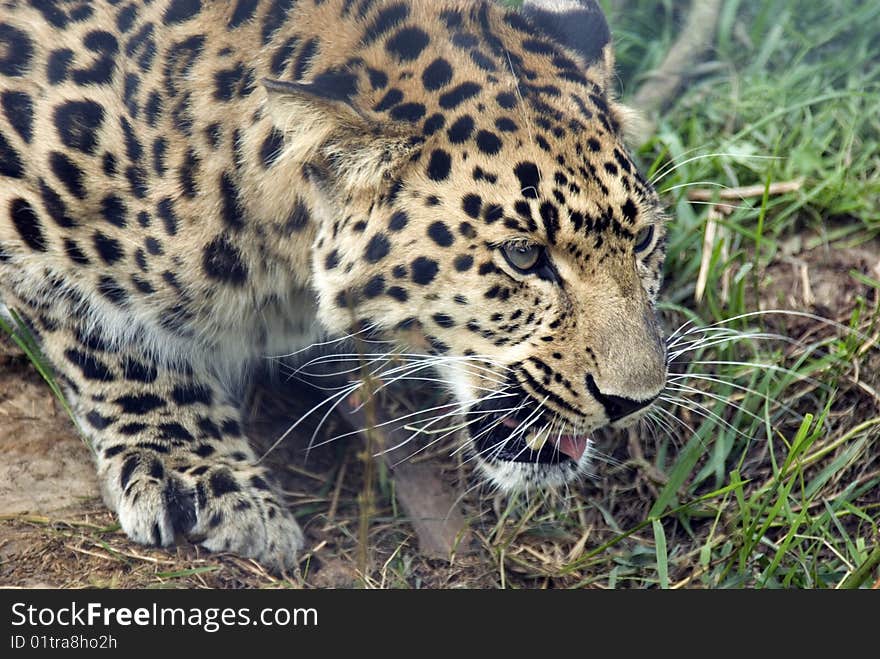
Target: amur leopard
187, 187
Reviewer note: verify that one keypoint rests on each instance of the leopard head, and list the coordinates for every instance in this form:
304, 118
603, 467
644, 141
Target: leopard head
478, 204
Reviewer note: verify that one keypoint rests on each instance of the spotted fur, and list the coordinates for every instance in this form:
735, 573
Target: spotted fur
189, 186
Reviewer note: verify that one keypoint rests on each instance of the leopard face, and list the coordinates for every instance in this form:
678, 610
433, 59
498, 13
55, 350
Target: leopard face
537, 300
512, 236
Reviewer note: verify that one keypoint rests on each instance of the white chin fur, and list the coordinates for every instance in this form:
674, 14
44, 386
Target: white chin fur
458, 383
510, 477
558, 6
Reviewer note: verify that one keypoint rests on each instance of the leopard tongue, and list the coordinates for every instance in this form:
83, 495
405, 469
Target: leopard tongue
573, 445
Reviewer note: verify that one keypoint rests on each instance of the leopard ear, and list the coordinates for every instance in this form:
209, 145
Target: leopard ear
323, 129
577, 24
581, 26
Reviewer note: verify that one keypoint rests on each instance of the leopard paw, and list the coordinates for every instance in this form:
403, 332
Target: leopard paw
224, 508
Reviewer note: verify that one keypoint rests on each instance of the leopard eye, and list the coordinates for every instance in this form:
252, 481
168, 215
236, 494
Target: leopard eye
644, 238
523, 257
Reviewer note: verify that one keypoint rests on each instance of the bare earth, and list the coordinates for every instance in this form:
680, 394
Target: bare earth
45, 466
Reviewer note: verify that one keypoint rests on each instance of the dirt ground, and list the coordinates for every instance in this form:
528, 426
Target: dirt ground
55, 532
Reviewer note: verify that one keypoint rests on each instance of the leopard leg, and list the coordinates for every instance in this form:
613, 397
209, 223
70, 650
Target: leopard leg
172, 458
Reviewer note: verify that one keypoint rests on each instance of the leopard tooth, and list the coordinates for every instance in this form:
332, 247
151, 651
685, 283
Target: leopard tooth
536, 440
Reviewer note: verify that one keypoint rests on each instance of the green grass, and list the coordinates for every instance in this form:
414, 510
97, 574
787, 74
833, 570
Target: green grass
18, 331
807, 100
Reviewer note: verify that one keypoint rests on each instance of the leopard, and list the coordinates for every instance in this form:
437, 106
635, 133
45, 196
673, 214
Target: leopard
188, 187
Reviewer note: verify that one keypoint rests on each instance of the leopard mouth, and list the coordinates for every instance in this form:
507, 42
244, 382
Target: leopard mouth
523, 436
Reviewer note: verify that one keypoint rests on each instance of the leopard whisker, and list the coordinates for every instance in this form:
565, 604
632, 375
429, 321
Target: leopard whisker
428, 364
798, 314
523, 426
709, 332
456, 412
799, 377
715, 204
403, 373
709, 342
703, 411
415, 368
360, 361
560, 424
485, 431
681, 329
412, 378
432, 442
338, 396
334, 341
695, 184
672, 416
449, 430
654, 417
547, 427
685, 389
660, 172
362, 358
663, 172
478, 361
729, 383
459, 408
327, 414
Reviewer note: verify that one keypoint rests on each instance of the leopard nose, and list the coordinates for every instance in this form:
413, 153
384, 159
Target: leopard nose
616, 407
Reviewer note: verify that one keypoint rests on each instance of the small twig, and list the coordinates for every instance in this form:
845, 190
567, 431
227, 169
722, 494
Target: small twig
708, 249
296, 469
873, 393
139, 557
714, 231
25, 517
695, 38
578, 547
93, 554
745, 192
337, 490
